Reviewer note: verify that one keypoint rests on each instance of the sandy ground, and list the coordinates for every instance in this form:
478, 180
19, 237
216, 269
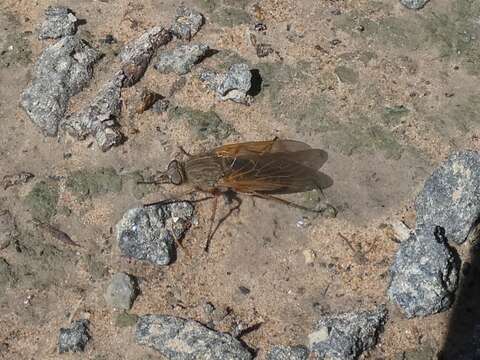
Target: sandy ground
388, 92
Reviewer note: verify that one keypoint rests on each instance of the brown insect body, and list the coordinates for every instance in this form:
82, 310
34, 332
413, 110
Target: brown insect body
259, 168
264, 167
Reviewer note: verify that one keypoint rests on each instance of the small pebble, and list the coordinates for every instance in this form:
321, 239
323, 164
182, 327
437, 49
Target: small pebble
263, 50
74, 339
146, 99
187, 23
309, 255
161, 106
120, 293
244, 290
414, 4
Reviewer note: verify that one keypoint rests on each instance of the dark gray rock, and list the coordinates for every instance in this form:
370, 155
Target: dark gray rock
180, 339
137, 54
451, 197
120, 293
414, 4
59, 22
346, 336
424, 275
187, 23
149, 233
74, 339
8, 229
62, 71
233, 85
288, 353
99, 118
182, 59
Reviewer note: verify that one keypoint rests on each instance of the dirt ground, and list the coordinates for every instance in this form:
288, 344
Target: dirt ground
388, 92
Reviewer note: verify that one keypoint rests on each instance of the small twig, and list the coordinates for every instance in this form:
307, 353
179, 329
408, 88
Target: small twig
357, 254
75, 309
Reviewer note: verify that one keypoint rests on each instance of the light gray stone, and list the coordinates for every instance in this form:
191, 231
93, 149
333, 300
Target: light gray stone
149, 233
120, 293
180, 339
62, 70
59, 22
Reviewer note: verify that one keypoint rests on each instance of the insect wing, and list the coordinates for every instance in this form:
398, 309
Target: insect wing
272, 174
260, 148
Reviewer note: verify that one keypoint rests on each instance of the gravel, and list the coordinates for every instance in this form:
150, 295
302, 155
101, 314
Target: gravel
233, 85
59, 22
451, 197
99, 118
346, 336
187, 23
288, 353
148, 233
180, 339
424, 275
137, 54
75, 338
120, 293
62, 70
182, 59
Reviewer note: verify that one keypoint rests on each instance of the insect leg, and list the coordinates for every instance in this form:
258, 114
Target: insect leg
223, 218
212, 219
183, 151
285, 202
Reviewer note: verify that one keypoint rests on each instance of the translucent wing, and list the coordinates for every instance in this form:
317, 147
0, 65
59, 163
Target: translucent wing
274, 173
304, 154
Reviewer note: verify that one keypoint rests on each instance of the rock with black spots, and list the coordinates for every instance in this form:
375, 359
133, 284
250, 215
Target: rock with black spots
414, 4
450, 197
232, 85
288, 353
347, 335
62, 70
75, 338
100, 118
187, 23
182, 59
59, 22
149, 233
181, 339
424, 275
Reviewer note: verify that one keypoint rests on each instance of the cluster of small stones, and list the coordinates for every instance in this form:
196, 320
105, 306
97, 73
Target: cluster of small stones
66, 67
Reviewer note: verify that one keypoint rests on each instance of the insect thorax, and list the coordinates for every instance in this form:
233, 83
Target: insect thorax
203, 170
